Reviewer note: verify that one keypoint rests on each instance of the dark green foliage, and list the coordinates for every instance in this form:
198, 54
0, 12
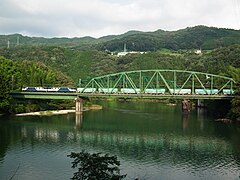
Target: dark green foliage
9, 77
154, 60
235, 110
15, 75
216, 61
88, 64
38, 74
73, 63
95, 166
189, 38
39, 41
199, 37
235, 103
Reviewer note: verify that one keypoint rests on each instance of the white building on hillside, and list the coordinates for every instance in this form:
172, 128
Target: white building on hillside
124, 53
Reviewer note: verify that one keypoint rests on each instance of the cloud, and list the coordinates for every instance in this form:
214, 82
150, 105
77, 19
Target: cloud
103, 17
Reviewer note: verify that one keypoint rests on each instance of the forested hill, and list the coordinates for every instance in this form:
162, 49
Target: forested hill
86, 64
198, 37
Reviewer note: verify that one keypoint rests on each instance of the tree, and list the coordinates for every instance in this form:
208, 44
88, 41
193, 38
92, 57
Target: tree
8, 77
95, 166
235, 103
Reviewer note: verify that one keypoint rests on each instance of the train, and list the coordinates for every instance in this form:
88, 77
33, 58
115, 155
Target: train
155, 91
128, 90
50, 89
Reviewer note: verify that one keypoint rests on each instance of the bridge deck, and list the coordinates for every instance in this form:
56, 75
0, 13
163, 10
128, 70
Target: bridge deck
48, 95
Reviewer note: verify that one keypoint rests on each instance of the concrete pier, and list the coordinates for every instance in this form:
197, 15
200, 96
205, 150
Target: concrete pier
79, 105
200, 103
186, 106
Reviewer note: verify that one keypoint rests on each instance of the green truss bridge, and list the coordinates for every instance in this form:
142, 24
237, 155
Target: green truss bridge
160, 84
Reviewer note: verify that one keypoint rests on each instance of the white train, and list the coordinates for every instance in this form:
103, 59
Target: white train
49, 89
127, 90
155, 91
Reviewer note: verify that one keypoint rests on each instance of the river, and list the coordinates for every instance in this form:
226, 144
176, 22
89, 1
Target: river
152, 140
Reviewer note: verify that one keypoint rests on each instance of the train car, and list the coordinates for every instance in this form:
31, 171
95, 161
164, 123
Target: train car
180, 91
155, 91
228, 91
48, 89
65, 89
130, 90
52, 89
108, 90
200, 91
206, 91
86, 90
35, 89
29, 89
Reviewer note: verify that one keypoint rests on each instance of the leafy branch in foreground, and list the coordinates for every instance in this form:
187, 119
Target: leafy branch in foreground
95, 166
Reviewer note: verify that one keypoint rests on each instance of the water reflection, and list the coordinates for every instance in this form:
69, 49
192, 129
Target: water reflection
46, 134
150, 142
200, 114
181, 152
140, 142
79, 120
185, 120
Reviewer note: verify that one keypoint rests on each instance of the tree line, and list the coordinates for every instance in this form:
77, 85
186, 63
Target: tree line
198, 37
15, 75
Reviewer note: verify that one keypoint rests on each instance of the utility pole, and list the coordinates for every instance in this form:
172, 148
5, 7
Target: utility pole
8, 44
17, 40
125, 48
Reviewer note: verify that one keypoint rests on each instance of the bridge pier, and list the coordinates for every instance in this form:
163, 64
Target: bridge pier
186, 106
200, 103
79, 105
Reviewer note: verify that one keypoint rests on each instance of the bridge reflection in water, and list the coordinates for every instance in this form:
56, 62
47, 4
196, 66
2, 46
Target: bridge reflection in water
148, 138
156, 149
131, 142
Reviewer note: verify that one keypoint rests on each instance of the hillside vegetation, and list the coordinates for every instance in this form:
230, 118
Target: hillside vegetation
87, 64
199, 37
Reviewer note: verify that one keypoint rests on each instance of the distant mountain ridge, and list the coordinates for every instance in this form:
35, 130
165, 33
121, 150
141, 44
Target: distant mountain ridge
198, 37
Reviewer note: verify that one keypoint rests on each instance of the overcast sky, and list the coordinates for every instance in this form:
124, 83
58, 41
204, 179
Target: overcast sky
96, 18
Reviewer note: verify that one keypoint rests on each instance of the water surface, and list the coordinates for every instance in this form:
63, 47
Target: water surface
151, 140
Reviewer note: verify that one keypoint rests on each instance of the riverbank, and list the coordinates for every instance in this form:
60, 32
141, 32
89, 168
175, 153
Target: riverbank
57, 112
47, 113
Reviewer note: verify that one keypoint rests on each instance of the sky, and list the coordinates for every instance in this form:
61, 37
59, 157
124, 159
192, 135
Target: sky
97, 18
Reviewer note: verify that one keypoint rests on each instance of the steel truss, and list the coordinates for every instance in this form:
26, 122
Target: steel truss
172, 81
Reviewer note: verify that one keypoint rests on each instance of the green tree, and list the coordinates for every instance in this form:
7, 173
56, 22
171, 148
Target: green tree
8, 79
235, 103
95, 166
38, 74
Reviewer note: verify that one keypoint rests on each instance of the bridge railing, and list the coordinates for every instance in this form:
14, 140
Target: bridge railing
159, 82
